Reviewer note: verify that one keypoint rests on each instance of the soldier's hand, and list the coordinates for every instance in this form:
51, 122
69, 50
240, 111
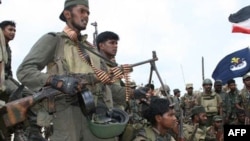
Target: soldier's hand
65, 83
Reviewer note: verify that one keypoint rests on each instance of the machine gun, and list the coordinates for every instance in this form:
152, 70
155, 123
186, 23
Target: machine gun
15, 111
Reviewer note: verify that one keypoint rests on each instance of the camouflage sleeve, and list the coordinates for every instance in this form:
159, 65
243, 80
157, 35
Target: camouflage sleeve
182, 102
140, 135
29, 71
187, 131
228, 105
118, 94
238, 98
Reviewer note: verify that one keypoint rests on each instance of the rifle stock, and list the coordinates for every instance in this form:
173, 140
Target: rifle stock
15, 111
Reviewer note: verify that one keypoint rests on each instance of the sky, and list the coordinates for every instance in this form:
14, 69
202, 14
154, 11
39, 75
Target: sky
181, 32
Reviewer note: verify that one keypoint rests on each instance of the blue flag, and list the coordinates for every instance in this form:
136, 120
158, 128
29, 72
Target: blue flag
233, 65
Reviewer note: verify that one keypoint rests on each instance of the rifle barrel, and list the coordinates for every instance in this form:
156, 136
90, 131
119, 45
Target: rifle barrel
143, 62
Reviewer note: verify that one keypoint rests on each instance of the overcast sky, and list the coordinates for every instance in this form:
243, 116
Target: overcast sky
180, 31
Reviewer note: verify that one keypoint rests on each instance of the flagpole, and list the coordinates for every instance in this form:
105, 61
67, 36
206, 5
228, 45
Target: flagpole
202, 67
183, 77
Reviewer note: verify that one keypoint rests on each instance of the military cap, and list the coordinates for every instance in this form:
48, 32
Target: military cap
246, 75
217, 118
176, 91
69, 3
217, 82
197, 109
240, 112
189, 85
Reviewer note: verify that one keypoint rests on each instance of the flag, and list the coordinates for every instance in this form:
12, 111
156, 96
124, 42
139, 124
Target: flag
241, 20
233, 65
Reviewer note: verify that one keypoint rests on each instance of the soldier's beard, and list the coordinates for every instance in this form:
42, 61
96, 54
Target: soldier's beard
201, 122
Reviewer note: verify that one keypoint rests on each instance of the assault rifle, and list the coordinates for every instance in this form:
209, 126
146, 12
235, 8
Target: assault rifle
15, 111
180, 132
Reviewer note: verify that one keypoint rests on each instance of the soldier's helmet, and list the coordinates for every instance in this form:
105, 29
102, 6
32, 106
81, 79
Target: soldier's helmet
132, 84
166, 88
207, 81
109, 123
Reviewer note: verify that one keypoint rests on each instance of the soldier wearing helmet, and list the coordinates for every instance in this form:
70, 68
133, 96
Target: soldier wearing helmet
164, 90
210, 100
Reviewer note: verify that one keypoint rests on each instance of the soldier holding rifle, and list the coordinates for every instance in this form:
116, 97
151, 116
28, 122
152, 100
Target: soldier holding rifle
73, 54
196, 130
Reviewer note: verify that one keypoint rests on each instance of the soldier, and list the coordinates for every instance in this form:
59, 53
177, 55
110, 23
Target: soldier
10, 88
196, 130
176, 101
66, 55
225, 100
233, 95
136, 120
163, 90
243, 100
215, 131
210, 100
161, 116
107, 45
241, 118
151, 89
188, 102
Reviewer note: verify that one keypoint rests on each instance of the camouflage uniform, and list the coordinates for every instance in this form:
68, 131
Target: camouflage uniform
226, 108
136, 120
233, 99
244, 99
212, 132
189, 129
188, 102
225, 104
152, 134
176, 101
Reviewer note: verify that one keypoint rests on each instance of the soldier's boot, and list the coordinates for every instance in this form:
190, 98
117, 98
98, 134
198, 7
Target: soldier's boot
19, 134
